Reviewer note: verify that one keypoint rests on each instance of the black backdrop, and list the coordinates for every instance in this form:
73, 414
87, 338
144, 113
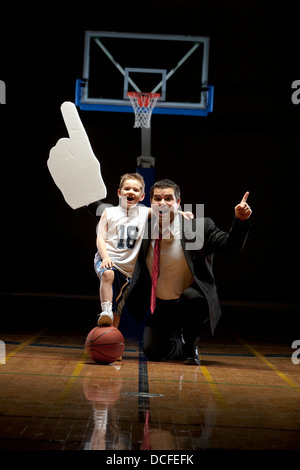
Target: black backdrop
250, 142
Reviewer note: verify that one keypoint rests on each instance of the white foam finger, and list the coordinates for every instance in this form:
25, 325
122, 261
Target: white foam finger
72, 120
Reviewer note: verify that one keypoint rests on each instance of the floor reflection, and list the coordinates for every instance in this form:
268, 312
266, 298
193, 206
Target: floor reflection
245, 395
161, 430
104, 394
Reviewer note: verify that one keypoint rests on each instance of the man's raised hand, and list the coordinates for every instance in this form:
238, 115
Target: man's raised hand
73, 165
243, 210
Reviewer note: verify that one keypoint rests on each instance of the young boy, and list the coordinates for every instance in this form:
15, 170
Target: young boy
119, 237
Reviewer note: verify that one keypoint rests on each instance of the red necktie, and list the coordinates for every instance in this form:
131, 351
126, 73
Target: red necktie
155, 273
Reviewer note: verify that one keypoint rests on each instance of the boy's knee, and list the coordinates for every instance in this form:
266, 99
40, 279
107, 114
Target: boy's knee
108, 275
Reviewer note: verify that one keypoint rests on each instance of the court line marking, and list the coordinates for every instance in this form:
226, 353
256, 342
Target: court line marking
205, 382
23, 344
214, 388
63, 346
143, 387
39, 374
70, 383
209, 380
269, 364
226, 383
72, 379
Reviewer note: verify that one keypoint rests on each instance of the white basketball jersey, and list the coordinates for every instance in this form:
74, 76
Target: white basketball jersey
124, 235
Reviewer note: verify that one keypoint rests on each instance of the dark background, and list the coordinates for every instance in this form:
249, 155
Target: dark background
250, 142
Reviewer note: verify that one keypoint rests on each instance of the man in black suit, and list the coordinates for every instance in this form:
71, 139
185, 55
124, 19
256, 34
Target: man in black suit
186, 295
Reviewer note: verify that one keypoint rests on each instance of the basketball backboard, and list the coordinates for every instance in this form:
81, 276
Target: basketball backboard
174, 66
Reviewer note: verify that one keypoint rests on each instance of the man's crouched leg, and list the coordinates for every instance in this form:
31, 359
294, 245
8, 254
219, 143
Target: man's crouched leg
162, 346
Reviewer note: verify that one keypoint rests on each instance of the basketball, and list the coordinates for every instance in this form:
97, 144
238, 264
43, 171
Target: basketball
104, 344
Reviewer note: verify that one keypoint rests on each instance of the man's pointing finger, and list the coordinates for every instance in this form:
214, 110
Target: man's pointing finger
245, 197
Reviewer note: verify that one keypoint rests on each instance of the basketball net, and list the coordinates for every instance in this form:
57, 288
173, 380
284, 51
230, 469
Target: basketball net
143, 104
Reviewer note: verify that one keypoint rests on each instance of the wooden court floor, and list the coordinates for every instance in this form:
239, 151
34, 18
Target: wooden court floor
245, 395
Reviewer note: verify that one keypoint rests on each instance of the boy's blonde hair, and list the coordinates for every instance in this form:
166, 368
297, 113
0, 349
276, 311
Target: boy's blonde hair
132, 176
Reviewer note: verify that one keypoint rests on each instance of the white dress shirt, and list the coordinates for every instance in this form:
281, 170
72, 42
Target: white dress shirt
175, 275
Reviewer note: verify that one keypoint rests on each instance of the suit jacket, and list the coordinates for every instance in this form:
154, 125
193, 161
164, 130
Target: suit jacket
200, 239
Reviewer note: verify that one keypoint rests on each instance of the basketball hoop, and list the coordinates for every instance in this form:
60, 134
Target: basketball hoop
143, 104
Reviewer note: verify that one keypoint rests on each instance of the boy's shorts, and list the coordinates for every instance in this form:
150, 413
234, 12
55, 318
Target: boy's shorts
121, 285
